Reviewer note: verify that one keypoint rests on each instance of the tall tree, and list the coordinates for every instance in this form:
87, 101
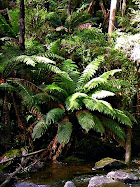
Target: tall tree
22, 25
113, 7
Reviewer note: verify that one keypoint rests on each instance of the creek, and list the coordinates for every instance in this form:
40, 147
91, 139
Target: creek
79, 172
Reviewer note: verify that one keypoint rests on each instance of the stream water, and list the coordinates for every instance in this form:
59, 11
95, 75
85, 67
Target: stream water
56, 174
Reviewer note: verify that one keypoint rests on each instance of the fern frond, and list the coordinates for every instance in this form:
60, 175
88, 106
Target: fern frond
73, 102
102, 94
122, 118
69, 66
85, 119
53, 87
6, 86
114, 128
41, 98
93, 83
98, 127
53, 56
25, 59
108, 73
64, 132
99, 105
53, 116
89, 71
39, 129
131, 117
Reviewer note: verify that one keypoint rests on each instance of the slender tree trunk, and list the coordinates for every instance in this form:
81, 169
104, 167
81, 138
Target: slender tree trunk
22, 25
69, 8
123, 7
90, 6
113, 7
128, 146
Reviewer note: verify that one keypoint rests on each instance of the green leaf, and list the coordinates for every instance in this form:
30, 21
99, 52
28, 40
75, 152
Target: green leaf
85, 119
102, 94
6, 86
89, 71
73, 102
26, 59
108, 73
122, 118
98, 127
114, 128
39, 129
53, 116
64, 132
93, 83
54, 87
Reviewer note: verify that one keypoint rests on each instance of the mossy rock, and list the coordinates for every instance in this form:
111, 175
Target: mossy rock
109, 163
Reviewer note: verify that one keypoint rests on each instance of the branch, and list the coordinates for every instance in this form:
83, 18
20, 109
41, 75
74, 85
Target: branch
90, 6
26, 155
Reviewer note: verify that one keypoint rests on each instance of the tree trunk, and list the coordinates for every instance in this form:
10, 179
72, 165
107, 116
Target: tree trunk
69, 8
90, 6
128, 146
22, 26
113, 7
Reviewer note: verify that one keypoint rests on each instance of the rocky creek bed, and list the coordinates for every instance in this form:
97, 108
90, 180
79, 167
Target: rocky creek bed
80, 173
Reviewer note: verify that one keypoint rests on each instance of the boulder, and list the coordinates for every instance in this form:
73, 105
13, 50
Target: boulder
69, 184
108, 163
99, 181
26, 184
122, 176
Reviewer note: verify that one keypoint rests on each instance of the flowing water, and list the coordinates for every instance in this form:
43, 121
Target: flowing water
56, 174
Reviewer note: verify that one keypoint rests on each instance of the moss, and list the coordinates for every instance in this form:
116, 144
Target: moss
114, 184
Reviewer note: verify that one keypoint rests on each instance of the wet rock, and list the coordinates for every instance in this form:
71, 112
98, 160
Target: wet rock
69, 184
122, 176
26, 184
108, 163
99, 181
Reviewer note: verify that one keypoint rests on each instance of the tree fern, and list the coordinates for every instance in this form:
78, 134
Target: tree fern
64, 132
39, 129
85, 119
53, 116
114, 128
88, 72
6, 86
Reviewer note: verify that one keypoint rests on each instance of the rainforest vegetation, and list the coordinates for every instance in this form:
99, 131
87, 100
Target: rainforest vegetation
69, 78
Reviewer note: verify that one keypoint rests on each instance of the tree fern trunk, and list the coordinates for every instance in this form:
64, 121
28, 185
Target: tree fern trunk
128, 146
22, 26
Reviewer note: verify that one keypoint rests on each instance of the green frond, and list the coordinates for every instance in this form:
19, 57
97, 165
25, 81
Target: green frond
39, 129
25, 59
108, 73
89, 71
41, 59
93, 83
53, 116
85, 119
53, 56
98, 127
98, 105
73, 101
68, 66
64, 132
53, 87
114, 128
102, 94
41, 98
122, 118
131, 117
6, 86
